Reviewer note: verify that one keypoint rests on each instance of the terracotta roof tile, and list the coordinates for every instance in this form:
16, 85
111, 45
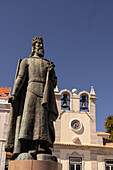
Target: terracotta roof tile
4, 91
9, 154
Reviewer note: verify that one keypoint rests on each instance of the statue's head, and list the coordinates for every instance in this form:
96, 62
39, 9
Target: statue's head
37, 46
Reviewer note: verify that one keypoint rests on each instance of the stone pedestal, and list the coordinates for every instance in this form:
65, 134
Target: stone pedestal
34, 165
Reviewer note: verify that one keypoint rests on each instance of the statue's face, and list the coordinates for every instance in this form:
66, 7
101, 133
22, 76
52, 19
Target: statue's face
38, 49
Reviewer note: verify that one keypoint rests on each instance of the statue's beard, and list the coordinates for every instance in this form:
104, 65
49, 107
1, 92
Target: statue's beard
39, 53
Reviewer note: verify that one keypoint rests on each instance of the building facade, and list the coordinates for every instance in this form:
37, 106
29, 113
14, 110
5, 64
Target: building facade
78, 146
4, 117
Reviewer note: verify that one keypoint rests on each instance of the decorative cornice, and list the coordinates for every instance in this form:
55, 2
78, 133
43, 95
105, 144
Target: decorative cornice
80, 146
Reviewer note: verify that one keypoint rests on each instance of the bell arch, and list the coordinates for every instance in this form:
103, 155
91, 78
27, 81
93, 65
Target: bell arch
84, 101
65, 99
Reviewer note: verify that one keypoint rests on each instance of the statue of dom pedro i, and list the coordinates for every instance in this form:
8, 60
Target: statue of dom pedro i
33, 105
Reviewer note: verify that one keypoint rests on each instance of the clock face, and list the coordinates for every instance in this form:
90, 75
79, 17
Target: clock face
75, 125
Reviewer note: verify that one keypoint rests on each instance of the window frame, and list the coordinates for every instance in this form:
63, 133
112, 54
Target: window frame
75, 163
109, 165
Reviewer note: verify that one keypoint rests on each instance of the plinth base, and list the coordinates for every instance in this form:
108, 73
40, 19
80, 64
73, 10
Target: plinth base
34, 165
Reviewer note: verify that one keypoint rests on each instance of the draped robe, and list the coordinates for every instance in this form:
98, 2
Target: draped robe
34, 108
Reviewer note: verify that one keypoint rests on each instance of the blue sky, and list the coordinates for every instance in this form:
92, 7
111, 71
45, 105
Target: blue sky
78, 38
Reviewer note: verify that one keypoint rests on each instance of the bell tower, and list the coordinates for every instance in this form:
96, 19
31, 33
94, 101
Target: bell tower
79, 120
78, 145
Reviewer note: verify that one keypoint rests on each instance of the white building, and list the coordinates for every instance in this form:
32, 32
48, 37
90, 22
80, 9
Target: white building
4, 117
78, 146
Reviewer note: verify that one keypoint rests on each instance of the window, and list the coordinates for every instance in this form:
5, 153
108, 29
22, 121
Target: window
109, 164
75, 163
75, 125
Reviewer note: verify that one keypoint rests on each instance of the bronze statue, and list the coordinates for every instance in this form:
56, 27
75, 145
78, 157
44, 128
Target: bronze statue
33, 105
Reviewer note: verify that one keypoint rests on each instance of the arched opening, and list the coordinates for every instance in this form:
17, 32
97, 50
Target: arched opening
84, 102
65, 101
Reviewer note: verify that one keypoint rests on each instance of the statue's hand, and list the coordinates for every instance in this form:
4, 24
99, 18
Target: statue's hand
11, 99
50, 66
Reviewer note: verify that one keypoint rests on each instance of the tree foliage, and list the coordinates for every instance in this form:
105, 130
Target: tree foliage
109, 126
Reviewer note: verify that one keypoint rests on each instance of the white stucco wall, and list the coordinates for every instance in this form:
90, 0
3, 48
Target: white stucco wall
67, 134
4, 117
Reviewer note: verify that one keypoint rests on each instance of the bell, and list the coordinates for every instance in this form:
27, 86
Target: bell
83, 100
64, 105
65, 99
84, 106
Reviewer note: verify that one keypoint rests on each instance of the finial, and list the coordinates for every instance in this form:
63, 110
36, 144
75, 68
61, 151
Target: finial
74, 91
92, 92
56, 90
